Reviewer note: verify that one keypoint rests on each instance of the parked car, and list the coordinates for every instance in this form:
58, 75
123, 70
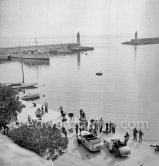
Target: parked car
118, 147
91, 142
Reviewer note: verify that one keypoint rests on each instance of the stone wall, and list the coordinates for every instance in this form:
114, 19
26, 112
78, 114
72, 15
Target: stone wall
13, 155
40, 47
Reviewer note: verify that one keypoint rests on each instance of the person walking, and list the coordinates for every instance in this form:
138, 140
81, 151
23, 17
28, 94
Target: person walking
46, 107
106, 127
96, 127
135, 131
111, 144
76, 127
110, 126
101, 125
140, 135
113, 128
126, 137
80, 127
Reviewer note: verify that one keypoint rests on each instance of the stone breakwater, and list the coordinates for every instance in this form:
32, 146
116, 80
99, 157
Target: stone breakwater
52, 48
142, 41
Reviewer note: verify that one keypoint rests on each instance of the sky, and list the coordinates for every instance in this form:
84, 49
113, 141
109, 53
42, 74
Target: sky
66, 17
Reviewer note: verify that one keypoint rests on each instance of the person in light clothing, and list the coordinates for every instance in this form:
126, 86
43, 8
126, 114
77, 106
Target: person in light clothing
111, 143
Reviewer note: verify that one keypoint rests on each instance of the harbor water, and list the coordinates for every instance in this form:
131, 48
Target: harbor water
127, 92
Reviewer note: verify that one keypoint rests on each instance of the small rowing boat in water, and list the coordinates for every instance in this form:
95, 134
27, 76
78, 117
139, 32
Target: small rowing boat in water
30, 97
99, 74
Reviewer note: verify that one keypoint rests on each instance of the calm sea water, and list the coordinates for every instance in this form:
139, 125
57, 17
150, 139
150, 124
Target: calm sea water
128, 90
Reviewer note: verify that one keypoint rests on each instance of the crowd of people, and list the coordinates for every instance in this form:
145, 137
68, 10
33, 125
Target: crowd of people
41, 111
94, 126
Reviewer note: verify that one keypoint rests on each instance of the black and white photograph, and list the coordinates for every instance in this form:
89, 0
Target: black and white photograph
79, 82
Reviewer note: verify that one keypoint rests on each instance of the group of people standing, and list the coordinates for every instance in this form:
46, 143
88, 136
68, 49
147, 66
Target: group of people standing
135, 132
40, 111
94, 126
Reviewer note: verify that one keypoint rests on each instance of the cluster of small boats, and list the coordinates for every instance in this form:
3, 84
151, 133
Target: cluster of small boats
22, 86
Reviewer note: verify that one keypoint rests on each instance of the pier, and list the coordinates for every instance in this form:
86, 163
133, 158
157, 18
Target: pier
141, 41
42, 51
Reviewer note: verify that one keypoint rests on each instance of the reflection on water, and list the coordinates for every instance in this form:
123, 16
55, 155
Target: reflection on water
127, 87
4, 61
78, 59
135, 52
34, 62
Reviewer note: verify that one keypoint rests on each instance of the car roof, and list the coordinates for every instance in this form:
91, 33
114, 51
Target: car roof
85, 133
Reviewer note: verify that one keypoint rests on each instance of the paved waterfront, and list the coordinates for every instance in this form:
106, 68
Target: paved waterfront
77, 155
141, 155
30, 110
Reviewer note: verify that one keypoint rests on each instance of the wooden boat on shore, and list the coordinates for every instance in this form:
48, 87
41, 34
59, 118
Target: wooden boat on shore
30, 97
24, 86
19, 85
13, 84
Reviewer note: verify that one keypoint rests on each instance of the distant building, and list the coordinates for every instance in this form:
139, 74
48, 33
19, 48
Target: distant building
78, 38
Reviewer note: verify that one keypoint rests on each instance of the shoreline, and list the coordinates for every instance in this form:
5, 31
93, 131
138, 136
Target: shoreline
30, 110
74, 153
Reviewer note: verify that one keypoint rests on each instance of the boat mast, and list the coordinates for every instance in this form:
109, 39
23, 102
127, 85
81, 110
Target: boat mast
22, 66
36, 43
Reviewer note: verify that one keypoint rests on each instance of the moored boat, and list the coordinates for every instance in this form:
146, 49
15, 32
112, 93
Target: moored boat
98, 73
31, 56
25, 86
30, 97
13, 84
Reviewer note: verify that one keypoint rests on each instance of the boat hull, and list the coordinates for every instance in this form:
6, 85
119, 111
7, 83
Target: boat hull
30, 56
25, 86
30, 97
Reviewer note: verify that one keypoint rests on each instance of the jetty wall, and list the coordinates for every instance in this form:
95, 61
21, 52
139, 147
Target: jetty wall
65, 46
142, 41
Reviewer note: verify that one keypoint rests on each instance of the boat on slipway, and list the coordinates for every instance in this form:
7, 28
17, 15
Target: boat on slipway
25, 86
30, 97
22, 85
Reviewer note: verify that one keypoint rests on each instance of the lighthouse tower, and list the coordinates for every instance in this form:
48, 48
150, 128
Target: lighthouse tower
78, 38
136, 35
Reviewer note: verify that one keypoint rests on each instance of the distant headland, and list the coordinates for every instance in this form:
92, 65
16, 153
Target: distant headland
142, 41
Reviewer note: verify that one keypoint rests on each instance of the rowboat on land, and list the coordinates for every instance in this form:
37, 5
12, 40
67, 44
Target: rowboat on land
25, 86
30, 97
